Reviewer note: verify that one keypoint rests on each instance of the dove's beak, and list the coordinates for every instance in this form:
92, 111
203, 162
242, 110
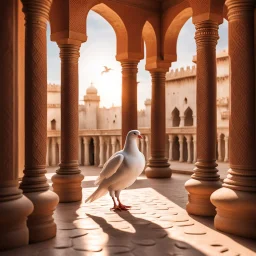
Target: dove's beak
139, 136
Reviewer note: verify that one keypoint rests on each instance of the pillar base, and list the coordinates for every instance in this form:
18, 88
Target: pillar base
199, 193
158, 168
100, 165
236, 211
13, 223
41, 223
68, 187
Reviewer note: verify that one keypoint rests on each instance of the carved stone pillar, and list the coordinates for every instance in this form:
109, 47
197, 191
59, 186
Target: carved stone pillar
14, 206
236, 201
53, 151
34, 183
205, 179
219, 148
129, 97
147, 155
181, 147
113, 144
189, 139
142, 144
67, 180
79, 151
158, 166
182, 121
226, 149
87, 151
107, 140
194, 149
96, 154
170, 147
101, 139
47, 152
59, 146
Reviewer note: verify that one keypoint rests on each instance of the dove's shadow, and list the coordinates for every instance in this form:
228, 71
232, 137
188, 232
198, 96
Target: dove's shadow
147, 238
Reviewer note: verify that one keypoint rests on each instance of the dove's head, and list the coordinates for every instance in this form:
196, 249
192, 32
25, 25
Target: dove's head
134, 134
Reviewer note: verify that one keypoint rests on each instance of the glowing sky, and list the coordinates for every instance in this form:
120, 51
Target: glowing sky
100, 50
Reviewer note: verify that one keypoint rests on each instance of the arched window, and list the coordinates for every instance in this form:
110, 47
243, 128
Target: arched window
53, 124
175, 117
188, 121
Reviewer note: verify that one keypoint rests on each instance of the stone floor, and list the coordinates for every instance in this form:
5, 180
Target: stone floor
156, 225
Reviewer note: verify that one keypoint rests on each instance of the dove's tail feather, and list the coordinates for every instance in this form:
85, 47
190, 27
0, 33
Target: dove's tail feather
98, 180
99, 192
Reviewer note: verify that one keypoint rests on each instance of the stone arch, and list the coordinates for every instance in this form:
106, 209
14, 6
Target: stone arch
175, 117
53, 124
177, 18
150, 38
188, 115
117, 24
176, 149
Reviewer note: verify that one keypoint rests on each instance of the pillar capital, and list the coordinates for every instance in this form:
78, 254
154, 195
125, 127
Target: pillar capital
240, 9
129, 67
181, 136
36, 12
86, 140
206, 33
189, 138
113, 139
69, 52
170, 136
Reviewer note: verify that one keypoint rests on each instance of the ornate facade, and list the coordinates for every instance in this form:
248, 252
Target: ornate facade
26, 208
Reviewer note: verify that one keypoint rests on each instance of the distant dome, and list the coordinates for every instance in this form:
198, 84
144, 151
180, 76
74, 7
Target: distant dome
147, 102
91, 89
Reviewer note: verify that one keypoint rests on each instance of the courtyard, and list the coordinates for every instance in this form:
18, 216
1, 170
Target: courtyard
157, 224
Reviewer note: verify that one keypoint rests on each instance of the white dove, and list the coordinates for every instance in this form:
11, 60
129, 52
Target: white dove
106, 70
120, 171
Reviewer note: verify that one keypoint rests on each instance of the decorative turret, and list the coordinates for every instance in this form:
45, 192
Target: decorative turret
91, 94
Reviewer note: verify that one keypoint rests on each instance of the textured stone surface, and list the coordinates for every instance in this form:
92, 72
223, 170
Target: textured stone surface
137, 234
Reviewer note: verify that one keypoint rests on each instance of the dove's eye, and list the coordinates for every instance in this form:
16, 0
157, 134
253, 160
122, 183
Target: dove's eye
134, 133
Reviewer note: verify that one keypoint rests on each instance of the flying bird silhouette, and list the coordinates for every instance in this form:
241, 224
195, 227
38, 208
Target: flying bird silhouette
106, 70
138, 83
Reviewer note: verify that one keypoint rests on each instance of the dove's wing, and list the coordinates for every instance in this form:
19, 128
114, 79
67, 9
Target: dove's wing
110, 168
106, 68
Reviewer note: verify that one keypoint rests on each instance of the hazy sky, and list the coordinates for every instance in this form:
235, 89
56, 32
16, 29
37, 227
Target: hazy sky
100, 49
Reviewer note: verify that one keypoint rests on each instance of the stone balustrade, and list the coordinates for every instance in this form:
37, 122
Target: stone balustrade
96, 146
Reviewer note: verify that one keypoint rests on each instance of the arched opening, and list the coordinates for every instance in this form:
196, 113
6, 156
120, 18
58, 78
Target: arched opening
53, 124
185, 149
175, 118
175, 149
91, 152
188, 114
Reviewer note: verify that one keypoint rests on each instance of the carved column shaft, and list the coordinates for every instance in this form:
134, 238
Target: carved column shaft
113, 144
67, 180
170, 147
158, 166
101, 139
129, 97
235, 201
205, 179
86, 151
181, 147
219, 149
53, 151
226, 149
14, 207
194, 149
188, 137
34, 183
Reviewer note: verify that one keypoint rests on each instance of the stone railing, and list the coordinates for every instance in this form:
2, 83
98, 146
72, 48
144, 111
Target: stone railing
96, 146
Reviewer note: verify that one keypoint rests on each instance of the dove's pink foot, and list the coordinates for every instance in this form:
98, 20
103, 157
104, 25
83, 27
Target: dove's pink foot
124, 207
115, 208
